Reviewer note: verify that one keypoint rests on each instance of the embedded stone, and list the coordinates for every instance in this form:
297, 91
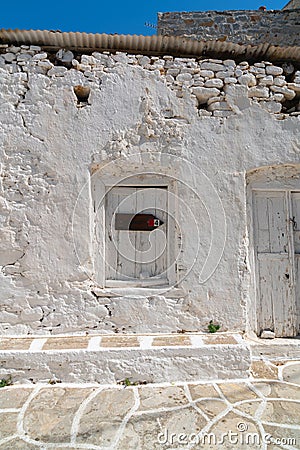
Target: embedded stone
258, 91
204, 93
279, 81
214, 99
294, 87
212, 66
230, 80
88, 60
273, 108
204, 113
247, 80
266, 81
229, 63
288, 93
206, 73
274, 70
258, 71
14, 49
225, 73
214, 83
35, 48
222, 106
238, 72
189, 70
184, 77
170, 79
57, 71
173, 72
121, 58
23, 57
45, 64
39, 56
278, 97
198, 83
9, 57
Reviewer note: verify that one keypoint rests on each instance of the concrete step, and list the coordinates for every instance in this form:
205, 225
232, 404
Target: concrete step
110, 359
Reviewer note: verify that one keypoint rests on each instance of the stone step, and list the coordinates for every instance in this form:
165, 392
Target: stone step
110, 359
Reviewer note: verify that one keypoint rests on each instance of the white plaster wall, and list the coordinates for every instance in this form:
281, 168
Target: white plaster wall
48, 146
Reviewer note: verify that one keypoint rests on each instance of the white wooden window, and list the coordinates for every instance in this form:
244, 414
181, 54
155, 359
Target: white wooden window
134, 258
137, 257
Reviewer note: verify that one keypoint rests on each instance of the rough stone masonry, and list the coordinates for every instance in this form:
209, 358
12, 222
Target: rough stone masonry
241, 27
223, 116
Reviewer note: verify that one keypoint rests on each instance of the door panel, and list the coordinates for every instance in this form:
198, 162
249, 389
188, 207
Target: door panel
277, 312
295, 216
297, 289
275, 273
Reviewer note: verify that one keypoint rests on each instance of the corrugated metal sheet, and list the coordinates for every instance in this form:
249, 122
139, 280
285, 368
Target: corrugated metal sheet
173, 45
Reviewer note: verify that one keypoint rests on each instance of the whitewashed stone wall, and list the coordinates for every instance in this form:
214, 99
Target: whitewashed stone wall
218, 115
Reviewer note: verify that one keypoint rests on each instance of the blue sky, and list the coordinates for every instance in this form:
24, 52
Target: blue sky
108, 16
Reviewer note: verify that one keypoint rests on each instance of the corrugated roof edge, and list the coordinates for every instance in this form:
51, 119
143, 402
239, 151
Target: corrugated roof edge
156, 45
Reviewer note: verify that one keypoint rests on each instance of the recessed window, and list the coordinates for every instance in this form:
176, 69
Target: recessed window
137, 235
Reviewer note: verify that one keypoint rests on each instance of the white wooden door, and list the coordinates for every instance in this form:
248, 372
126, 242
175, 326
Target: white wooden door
138, 258
295, 219
275, 263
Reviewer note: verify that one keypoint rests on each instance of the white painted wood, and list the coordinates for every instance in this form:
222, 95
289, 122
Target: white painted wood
274, 255
138, 258
295, 225
295, 220
276, 295
297, 290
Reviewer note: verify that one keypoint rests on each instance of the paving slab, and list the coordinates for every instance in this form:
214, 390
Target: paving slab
244, 414
258, 410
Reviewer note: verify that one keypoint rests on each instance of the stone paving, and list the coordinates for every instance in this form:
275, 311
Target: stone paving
261, 412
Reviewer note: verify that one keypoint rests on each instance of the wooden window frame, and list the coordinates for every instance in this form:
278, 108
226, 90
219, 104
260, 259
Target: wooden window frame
100, 185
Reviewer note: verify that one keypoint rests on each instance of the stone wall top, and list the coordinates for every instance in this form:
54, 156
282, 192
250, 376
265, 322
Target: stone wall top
241, 27
209, 82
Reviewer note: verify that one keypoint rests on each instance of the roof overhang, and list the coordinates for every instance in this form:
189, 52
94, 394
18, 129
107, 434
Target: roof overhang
154, 45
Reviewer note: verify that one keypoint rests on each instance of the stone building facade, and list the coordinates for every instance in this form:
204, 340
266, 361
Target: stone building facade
292, 4
201, 144
242, 27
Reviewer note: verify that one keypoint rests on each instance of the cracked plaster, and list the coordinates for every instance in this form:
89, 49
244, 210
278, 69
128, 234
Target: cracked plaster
48, 147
